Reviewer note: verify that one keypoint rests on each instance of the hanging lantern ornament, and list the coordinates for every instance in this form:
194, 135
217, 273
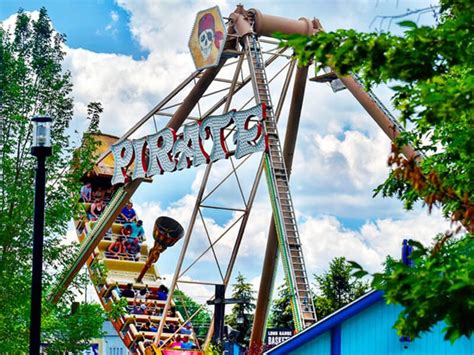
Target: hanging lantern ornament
166, 233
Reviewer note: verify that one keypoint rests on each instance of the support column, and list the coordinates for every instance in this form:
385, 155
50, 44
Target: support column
271, 252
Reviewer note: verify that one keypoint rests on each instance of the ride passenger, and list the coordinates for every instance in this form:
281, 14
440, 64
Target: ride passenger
133, 248
108, 193
170, 328
162, 293
126, 231
153, 327
98, 194
186, 329
128, 292
176, 344
137, 229
116, 248
128, 213
139, 309
141, 294
187, 344
148, 327
96, 210
145, 327
172, 312
86, 193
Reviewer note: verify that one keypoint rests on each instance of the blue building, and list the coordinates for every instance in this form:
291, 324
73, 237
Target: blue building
110, 344
365, 327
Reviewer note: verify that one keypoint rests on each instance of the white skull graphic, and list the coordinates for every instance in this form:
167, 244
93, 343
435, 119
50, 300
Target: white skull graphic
206, 38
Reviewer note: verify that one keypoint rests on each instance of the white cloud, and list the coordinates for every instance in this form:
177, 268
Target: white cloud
324, 238
164, 27
114, 16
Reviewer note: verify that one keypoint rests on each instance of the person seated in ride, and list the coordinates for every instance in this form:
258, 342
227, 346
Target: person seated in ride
86, 193
108, 193
139, 309
128, 292
186, 329
98, 194
148, 345
172, 312
141, 294
153, 327
145, 327
137, 229
126, 231
148, 327
96, 210
169, 328
127, 213
116, 248
162, 293
176, 344
187, 344
133, 248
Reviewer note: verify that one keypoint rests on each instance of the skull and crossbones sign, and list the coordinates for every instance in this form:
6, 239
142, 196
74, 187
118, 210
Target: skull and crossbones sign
208, 35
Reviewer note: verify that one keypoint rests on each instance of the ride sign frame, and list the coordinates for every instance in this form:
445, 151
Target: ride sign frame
167, 151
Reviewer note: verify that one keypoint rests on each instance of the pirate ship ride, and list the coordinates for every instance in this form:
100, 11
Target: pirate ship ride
219, 52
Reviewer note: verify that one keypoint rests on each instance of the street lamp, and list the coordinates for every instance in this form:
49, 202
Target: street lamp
241, 318
41, 148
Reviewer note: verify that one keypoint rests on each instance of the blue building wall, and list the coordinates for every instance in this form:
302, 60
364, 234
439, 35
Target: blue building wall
112, 344
321, 345
371, 332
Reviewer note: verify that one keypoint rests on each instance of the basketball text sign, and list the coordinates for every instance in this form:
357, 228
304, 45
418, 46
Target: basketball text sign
167, 151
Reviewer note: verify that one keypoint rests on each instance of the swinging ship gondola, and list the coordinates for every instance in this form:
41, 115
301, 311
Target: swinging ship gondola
111, 273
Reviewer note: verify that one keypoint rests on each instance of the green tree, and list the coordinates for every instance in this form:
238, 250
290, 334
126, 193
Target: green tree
32, 82
431, 72
336, 287
187, 307
281, 315
241, 317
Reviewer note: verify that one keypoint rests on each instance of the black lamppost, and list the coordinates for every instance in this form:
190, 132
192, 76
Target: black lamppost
41, 148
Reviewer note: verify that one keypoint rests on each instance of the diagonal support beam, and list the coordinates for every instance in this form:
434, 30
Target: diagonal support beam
390, 127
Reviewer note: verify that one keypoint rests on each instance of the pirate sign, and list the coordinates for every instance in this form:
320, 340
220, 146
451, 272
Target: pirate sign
207, 38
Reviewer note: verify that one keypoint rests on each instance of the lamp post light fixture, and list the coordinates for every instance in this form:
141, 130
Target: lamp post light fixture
41, 149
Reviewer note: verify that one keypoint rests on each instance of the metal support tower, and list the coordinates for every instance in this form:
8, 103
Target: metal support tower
304, 313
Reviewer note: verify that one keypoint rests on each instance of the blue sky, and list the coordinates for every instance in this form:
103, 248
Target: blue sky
130, 54
100, 26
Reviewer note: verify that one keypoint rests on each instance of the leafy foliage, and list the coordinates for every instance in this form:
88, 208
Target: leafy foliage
187, 307
32, 82
118, 309
430, 68
64, 330
242, 290
281, 315
337, 287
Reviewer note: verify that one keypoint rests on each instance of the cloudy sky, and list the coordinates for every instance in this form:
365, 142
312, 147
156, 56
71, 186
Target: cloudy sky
130, 54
